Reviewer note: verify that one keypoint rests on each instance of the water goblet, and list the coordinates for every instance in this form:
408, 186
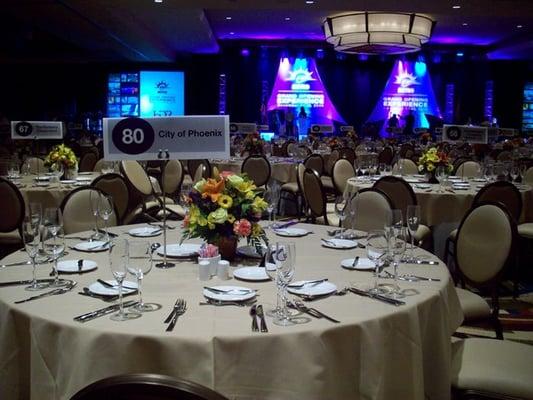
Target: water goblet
441, 173
413, 222
32, 238
376, 249
94, 200
272, 273
105, 210
139, 265
54, 247
184, 198
284, 257
341, 205
397, 245
118, 263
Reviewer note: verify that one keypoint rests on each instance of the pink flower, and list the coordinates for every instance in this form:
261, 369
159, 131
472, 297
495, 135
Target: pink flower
225, 174
242, 227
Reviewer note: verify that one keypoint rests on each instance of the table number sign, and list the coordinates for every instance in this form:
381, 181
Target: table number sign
184, 138
464, 133
36, 130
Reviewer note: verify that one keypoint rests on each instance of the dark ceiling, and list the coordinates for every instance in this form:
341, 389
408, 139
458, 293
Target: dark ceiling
143, 30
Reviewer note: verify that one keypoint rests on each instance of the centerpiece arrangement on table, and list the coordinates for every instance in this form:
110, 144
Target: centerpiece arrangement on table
430, 160
62, 158
252, 145
223, 209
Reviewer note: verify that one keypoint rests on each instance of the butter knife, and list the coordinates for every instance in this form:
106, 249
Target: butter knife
50, 293
379, 297
102, 311
24, 282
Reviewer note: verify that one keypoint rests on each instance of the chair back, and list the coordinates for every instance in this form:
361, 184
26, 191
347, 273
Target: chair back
146, 387
114, 185
342, 171
102, 164
408, 167
372, 209
172, 177
257, 168
502, 192
385, 156
528, 177
300, 169
13, 210
347, 153
505, 156
35, 165
87, 162
200, 173
77, 211
468, 169
332, 159
484, 243
292, 149
314, 193
136, 177
316, 162
193, 165
400, 193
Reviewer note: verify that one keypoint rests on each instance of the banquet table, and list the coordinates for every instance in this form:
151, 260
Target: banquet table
447, 206
283, 168
378, 351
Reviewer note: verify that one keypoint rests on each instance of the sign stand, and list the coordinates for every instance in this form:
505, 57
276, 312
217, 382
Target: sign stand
165, 264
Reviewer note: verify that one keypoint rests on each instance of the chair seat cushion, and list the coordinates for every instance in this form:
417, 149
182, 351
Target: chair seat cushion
10, 238
327, 182
526, 230
473, 305
494, 366
423, 233
290, 187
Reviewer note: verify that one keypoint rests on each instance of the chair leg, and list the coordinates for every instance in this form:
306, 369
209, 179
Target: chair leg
498, 329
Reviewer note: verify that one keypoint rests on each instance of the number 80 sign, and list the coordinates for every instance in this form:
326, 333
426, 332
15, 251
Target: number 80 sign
133, 136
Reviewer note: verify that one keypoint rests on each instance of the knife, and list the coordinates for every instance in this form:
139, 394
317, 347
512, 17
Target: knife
18, 263
111, 234
103, 311
80, 265
316, 282
426, 262
50, 293
25, 282
111, 286
379, 297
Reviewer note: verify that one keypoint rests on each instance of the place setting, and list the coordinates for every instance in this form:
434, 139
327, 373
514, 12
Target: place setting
146, 231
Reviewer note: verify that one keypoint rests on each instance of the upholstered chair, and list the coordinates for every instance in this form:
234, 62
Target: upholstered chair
319, 210
258, 169
372, 209
342, 171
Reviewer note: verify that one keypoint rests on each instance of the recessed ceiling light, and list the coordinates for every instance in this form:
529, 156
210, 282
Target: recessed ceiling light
456, 7
309, 2
158, 1
460, 54
287, 18
519, 26
232, 33
465, 23
228, 18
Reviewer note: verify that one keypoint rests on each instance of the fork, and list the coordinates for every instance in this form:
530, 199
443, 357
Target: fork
179, 309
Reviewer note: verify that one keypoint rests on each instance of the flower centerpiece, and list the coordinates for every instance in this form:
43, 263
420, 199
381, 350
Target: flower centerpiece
223, 209
430, 160
61, 157
252, 144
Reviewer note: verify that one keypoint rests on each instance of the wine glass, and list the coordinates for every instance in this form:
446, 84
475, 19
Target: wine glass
272, 197
139, 265
441, 173
514, 172
397, 245
376, 250
32, 238
54, 247
13, 170
105, 210
118, 263
284, 257
413, 221
340, 210
57, 172
184, 196
272, 272
53, 220
35, 212
94, 199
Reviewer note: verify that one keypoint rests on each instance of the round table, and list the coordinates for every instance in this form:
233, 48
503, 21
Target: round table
378, 351
283, 168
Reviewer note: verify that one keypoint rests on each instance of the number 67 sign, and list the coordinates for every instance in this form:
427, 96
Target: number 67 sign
187, 137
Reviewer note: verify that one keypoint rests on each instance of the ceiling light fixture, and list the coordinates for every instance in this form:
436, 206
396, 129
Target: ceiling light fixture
456, 7
309, 2
228, 18
465, 23
287, 18
519, 26
378, 32
158, 1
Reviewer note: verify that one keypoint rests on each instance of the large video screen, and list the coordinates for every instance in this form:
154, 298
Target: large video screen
527, 109
162, 93
123, 94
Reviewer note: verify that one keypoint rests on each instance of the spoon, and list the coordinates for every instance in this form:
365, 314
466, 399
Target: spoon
253, 313
154, 247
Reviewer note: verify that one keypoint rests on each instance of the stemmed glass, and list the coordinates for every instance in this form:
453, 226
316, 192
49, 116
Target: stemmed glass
271, 271
57, 171
514, 172
397, 245
340, 210
376, 249
284, 257
184, 196
94, 199
105, 210
31, 236
272, 197
413, 221
139, 265
441, 173
54, 240
118, 263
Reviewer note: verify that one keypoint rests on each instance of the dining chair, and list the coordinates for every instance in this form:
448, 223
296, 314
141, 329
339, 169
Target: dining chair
115, 186
315, 197
491, 369
193, 165
146, 387
87, 162
34, 165
386, 156
402, 196
468, 169
347, 153
372, 209
330, 162
407, 151
258, 169
11, 216
172, 178
342, 171
77, 210
528, 177
483, 251
316, 162
408, 167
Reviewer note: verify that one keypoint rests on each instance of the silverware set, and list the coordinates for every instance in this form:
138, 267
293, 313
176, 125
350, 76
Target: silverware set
411, 278
103, 311
376, 296
313, 312
257, 312
180, 306
54, 292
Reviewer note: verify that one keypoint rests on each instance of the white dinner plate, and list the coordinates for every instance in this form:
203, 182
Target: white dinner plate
180, 250
413, 180
81, 184
85, 173
479, 180
339, 243
255, 274
233, 295
249, 251
68, 181
98, 288
418, 176
454, 178
364, 264
42, 178
83, 179
422, 186
71, 266
42, 184
291, 232
92, 247
145, 231
313, 290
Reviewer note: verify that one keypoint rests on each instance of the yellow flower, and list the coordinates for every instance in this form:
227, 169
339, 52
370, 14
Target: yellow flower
231, 218
225, 201
259, 204
430, 167
256, 230
196, 217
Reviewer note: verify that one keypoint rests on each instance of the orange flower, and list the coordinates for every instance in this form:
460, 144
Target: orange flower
213, 189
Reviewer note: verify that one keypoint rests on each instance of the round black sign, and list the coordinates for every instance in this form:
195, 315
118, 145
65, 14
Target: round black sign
133, 136
233, 128
453, 133
316, 128
23, 128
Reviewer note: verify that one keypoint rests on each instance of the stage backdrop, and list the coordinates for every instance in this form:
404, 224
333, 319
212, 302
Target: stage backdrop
297, 85
408, 89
